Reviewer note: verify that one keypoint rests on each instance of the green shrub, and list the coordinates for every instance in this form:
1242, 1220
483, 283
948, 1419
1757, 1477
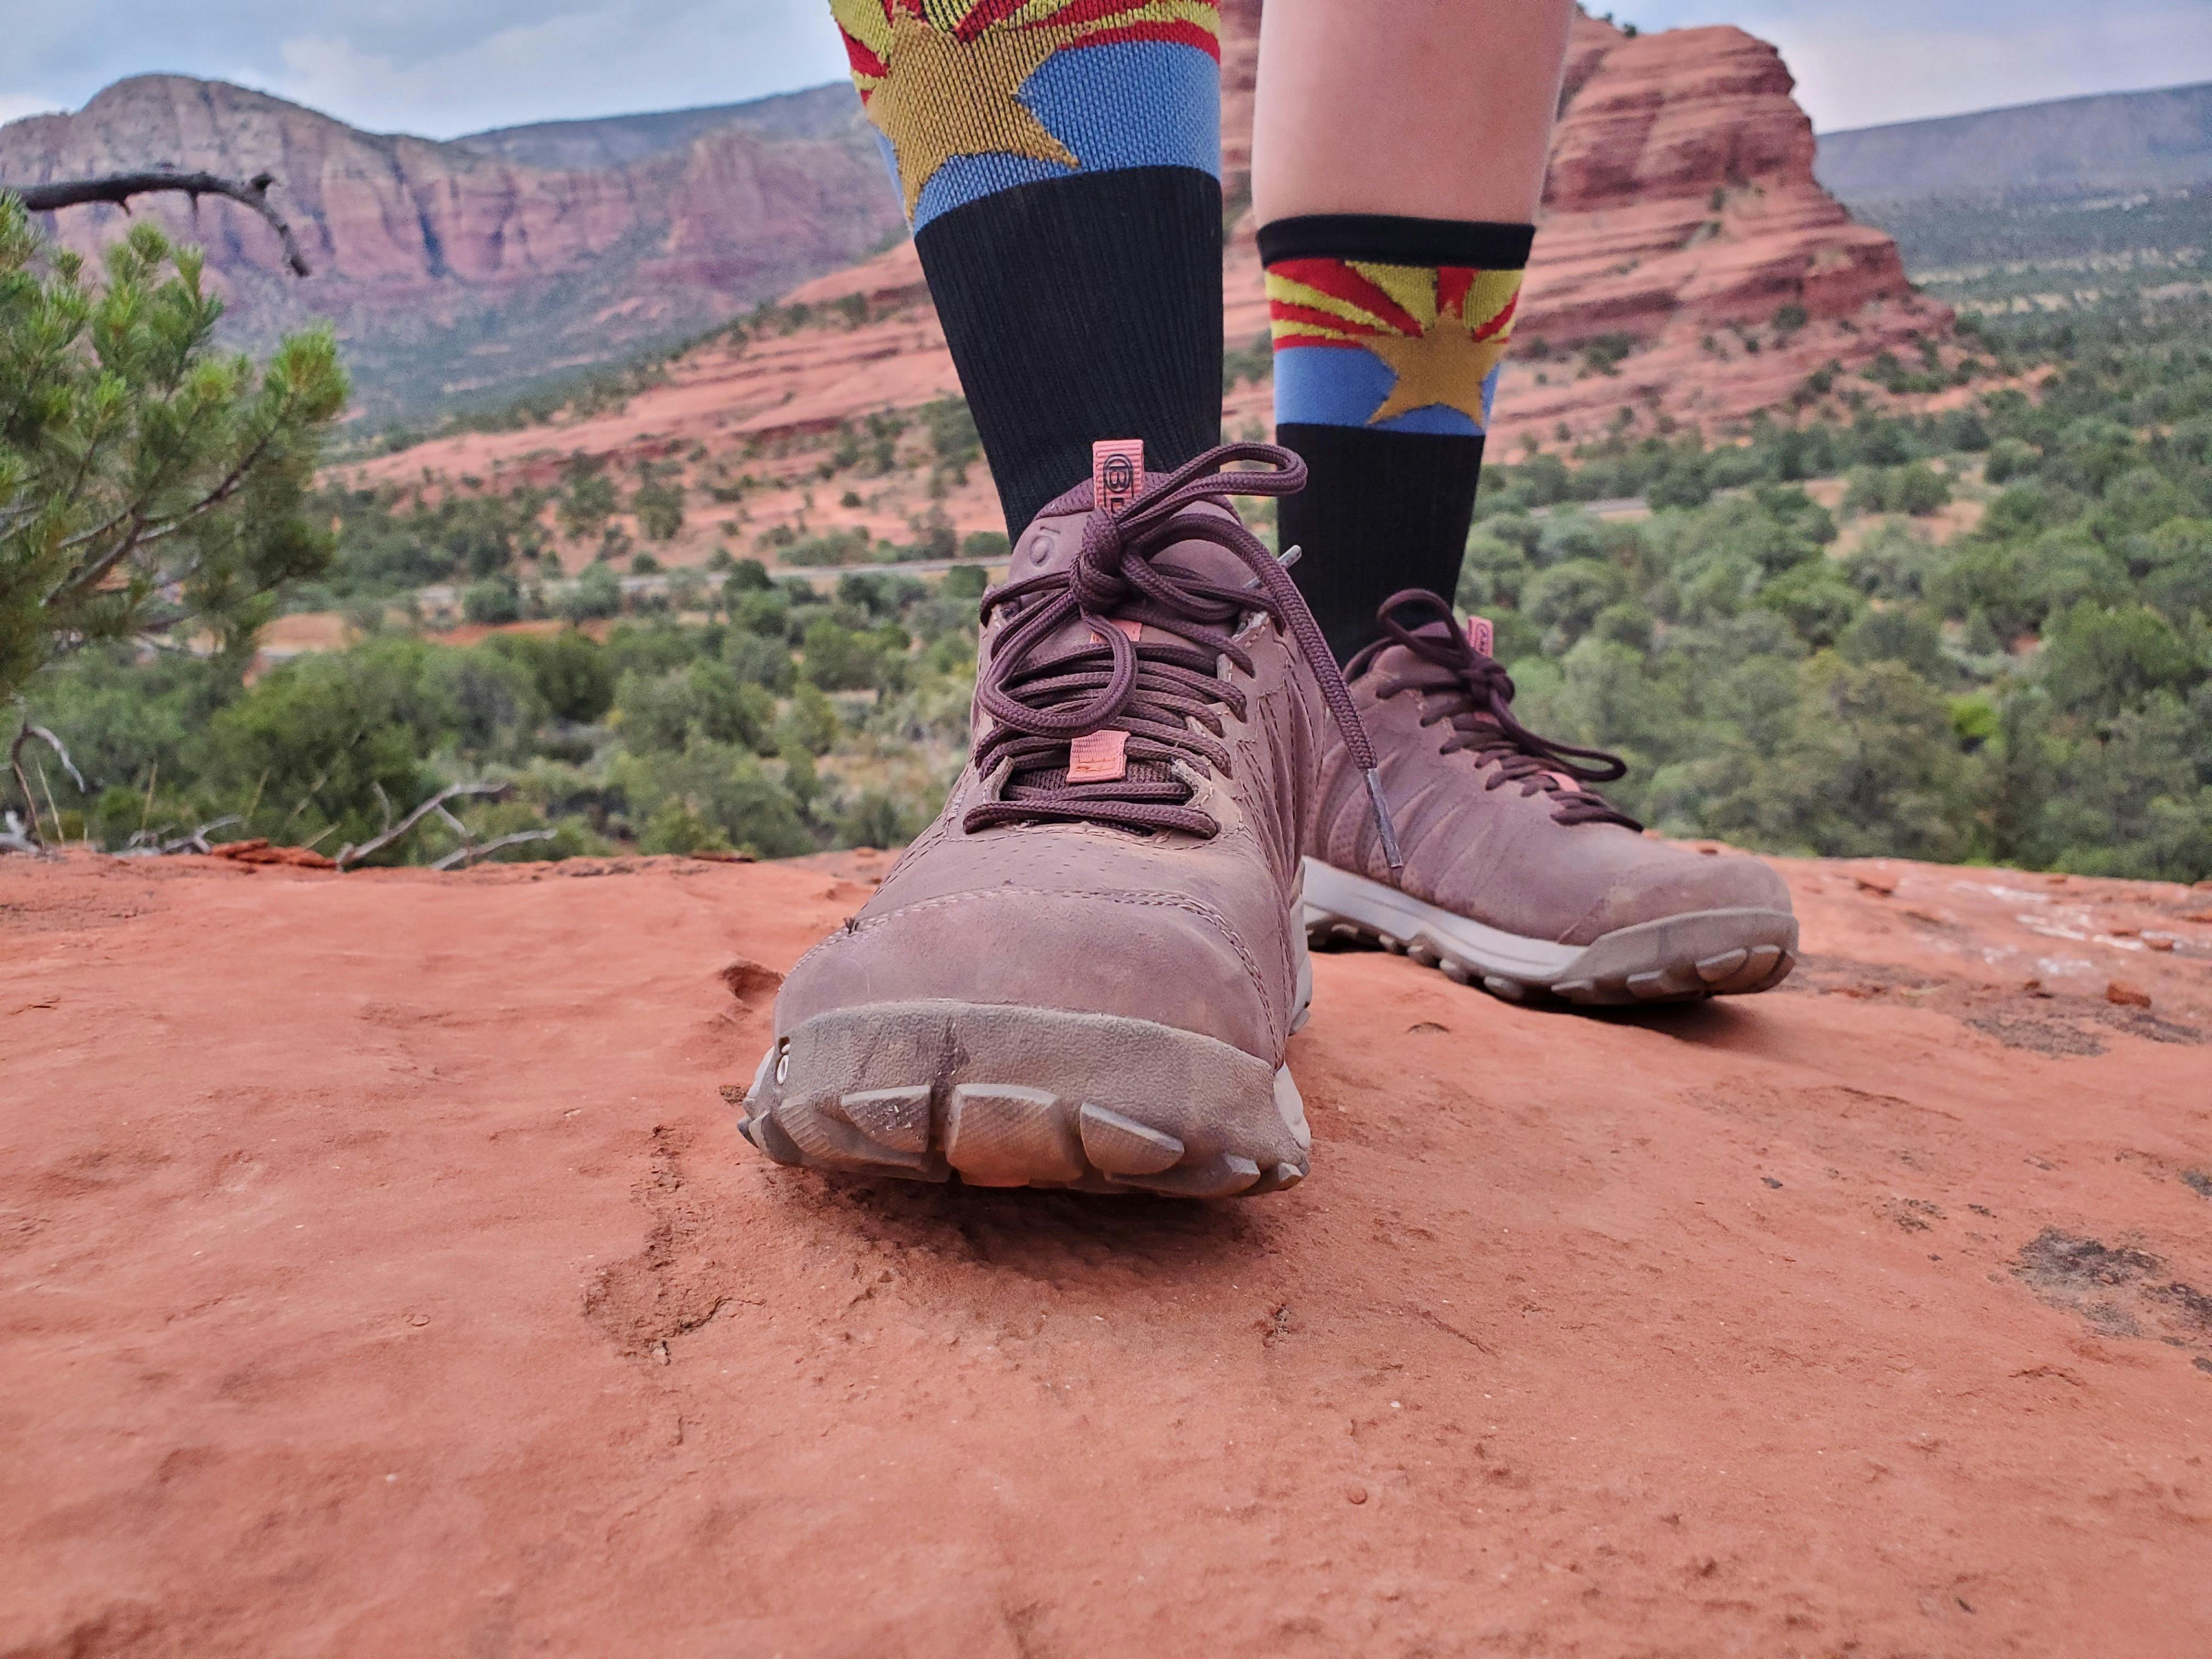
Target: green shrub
595, 594
493, 601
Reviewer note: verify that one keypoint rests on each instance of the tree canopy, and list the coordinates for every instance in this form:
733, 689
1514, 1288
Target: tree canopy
152, 486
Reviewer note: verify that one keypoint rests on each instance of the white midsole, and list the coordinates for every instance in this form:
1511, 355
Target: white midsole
1335, 895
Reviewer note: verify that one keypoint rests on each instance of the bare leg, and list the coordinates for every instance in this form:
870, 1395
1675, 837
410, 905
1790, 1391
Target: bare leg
1398, 158
1433, 109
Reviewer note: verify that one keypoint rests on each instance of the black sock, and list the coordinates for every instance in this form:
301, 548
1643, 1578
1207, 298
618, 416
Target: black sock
1063, 179
1082, 308
1388, 333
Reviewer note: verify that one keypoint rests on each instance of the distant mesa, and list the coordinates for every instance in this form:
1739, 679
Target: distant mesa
2129, 140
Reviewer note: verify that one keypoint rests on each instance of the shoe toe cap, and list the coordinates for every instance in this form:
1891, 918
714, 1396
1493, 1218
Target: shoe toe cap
1150, 957
1681, 882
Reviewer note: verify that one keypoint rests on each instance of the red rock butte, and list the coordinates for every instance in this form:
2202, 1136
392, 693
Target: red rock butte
382, 1273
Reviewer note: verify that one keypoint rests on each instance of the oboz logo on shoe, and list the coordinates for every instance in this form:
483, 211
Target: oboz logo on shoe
1117, 472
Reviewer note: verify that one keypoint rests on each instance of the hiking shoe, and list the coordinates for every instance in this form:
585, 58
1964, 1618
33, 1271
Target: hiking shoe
1517, 875
1085, 972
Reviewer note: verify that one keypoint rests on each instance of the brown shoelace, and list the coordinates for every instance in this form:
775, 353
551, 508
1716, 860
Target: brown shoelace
1474, 693
1167, 695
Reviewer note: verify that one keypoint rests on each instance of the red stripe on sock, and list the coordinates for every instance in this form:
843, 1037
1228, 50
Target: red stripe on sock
1453, 282
1179, 34
1339, 281
1091, 11
864, 61
1504, 319
985, 13
1287, 311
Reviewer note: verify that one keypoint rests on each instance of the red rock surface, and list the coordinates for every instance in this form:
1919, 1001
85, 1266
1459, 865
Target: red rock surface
380, 1274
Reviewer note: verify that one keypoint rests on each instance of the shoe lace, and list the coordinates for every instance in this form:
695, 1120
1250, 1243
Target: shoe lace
1168, 696
1474, 693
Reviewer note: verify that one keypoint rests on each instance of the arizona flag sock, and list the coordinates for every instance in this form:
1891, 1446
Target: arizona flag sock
1060, 163
1388, 333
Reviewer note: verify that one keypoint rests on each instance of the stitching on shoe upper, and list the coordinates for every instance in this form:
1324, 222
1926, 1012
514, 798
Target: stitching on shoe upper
1206, 912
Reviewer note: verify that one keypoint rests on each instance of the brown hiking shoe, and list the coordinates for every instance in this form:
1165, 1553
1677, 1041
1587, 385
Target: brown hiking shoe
1084, 973
1517, 876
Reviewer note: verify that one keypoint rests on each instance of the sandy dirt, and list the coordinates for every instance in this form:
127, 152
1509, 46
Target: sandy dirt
380, 1274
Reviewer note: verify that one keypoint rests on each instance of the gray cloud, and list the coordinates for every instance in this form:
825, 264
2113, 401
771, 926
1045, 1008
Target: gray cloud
1873, 61
430, 66
434, 67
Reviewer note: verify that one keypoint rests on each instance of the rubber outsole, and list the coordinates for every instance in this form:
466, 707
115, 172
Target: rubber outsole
1016, 1097
1685, 958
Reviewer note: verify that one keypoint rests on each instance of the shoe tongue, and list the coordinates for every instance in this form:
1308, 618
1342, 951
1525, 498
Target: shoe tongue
1402, 661
1388, 656
1117, 477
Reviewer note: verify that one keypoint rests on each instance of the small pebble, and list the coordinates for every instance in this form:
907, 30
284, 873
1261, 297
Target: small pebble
1355, 1494
2124, 995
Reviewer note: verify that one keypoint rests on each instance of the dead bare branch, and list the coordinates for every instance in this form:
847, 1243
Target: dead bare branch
22, 779
159, 843
61, 751
13, 838
350, 853
117, 189
197, 840
462, 856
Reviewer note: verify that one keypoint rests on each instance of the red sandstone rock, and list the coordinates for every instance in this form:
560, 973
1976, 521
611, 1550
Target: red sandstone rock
258, 851
1681, 205
407, 235
380, 1274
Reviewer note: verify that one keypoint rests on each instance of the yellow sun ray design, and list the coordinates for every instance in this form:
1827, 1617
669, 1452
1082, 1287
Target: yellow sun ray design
943, 95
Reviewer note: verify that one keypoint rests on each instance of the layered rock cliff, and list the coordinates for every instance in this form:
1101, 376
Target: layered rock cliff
450, 265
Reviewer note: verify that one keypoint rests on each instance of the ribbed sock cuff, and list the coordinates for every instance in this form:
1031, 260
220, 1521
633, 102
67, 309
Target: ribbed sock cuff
1389, 240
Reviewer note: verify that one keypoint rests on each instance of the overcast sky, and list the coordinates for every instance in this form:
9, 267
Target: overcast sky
444, 67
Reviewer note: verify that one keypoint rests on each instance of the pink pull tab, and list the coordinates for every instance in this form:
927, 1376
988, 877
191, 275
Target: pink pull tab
1098, 758
1481, 636
1128, 626
1117, 472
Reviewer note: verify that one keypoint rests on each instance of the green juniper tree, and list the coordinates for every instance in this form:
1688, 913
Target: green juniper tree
152, 488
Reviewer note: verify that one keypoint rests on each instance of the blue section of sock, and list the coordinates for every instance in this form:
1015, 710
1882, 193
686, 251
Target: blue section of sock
1342, 385
1130, 104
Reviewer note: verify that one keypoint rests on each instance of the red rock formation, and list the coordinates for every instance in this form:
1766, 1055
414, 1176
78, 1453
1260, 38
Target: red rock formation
1683, 157
1681, 212
409, 237
1240, 72
382, 1275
